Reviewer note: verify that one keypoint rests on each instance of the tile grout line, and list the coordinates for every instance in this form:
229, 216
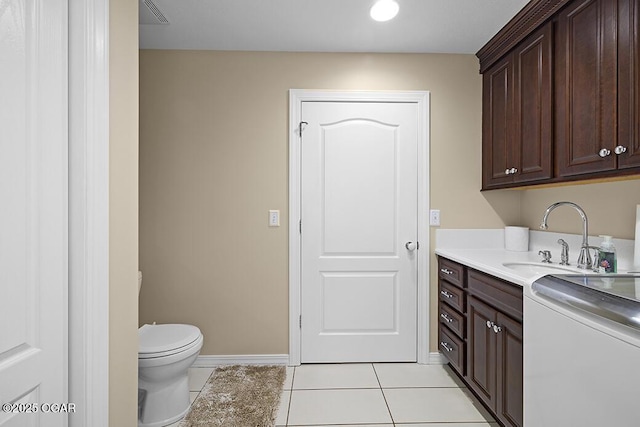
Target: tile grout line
202, 388
197, 395
293, 379
348, 388
383, 395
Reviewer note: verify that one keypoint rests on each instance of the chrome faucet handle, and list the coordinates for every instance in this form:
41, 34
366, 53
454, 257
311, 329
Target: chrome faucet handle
596, 258
546, 256
584, 259
564, 255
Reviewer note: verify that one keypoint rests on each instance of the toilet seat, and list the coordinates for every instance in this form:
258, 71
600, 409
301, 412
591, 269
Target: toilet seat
164, 340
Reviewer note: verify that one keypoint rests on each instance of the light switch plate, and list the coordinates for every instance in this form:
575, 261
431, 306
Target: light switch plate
274, 218
434, 217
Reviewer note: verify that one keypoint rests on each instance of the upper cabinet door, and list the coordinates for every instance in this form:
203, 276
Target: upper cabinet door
586, 87
533, 107
628, 149
497, 113
517, 132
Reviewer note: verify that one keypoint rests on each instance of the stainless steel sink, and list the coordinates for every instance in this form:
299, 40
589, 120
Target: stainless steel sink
538, 268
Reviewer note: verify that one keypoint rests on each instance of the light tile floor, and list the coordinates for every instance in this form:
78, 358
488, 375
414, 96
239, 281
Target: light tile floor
371, 395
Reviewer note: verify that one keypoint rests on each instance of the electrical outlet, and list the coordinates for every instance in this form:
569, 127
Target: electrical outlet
434, 217
274, 218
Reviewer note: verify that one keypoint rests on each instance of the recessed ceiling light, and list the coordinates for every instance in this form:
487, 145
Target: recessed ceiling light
384, 10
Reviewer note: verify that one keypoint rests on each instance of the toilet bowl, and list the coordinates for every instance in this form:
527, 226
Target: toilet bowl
164, 356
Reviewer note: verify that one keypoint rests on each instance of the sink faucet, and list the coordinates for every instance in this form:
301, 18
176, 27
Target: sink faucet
584, 259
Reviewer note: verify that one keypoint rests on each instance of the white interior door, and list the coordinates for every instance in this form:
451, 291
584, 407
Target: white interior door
359, 232
33, 212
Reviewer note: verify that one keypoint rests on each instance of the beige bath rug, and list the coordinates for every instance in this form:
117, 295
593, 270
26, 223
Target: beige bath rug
238, 396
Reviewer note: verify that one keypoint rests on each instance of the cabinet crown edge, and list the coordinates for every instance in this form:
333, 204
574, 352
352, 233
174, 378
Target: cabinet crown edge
533, 15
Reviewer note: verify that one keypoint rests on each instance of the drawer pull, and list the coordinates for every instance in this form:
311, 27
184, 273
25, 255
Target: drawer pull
446, 271
446, 318
446, 346
446, 294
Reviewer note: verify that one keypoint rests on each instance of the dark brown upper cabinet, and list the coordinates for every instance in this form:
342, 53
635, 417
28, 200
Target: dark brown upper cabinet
561, 94
629, 85
517, 114
586, 87
497, 112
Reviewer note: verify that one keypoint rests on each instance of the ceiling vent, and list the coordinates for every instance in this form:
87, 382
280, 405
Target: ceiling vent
150, 13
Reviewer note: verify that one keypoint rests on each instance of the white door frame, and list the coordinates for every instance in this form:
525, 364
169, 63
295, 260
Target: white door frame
296, 98
89, 212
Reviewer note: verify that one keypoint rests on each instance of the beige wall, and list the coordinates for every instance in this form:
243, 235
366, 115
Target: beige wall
123, 213
213, 161
610, 207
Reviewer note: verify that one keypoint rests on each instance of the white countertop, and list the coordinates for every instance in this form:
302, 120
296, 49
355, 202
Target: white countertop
483, 250
491, 261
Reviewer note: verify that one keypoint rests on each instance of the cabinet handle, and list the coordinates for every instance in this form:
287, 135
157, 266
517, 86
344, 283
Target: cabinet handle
446, 271
446, 318
489, 324
620, 149
446, 294
446, 346
510, 171
496, 328
604, 152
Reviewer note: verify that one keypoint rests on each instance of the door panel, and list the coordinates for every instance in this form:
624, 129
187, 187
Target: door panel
33, 217
359, 208
629, 84
509, 404
352, 200
481, 362
356, 302
533, 134
586, 87
497, 134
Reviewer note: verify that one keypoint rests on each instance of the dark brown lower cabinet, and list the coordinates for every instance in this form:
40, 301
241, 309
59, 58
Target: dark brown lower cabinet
509, 403
494, 362
480, 334
481, 363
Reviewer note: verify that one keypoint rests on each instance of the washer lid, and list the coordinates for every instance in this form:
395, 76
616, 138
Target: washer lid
162, 338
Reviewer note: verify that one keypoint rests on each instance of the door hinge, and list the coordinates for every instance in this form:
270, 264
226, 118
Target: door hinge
300, 321
300, 128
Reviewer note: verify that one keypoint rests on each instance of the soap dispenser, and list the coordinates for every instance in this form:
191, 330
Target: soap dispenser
607, 262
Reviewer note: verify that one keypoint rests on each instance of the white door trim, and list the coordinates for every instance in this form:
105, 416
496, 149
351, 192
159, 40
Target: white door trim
89, 212
296, 98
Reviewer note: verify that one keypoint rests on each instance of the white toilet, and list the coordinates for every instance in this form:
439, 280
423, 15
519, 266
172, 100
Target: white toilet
165, 354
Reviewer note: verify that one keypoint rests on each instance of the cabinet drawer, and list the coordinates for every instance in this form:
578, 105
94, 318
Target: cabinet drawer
452, 348
502, 295
452, 319
452, 272
453, 296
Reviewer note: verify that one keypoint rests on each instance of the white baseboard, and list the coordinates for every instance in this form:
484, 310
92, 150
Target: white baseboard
436, 358
209, 361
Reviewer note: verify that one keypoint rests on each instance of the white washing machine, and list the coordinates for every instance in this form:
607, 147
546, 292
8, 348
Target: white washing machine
582, 351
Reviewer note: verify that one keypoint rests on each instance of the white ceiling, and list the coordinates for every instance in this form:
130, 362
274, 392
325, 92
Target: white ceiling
451, 26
